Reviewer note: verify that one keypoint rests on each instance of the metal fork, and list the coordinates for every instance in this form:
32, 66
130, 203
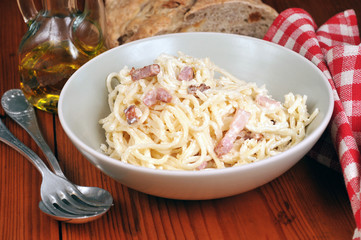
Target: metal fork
57, 193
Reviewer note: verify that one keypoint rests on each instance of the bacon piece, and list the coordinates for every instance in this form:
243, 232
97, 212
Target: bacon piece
239, 121
186, 74
132, 114
150, 98
163, 95
192, 89
159, 94
147, 71
267, 102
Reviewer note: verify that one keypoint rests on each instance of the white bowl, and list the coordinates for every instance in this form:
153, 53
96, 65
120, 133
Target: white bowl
83, 102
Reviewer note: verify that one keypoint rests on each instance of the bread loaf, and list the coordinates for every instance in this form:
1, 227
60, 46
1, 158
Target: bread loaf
129, 20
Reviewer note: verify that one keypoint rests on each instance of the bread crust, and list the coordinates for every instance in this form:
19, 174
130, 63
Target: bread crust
246, 17
129, 20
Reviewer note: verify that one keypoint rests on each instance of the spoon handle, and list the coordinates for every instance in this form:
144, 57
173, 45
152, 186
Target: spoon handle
7, 137
24, 115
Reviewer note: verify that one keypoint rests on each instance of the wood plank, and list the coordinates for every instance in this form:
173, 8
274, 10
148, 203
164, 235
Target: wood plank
20, 217
307, 202
19, 199
303, 202
296, 205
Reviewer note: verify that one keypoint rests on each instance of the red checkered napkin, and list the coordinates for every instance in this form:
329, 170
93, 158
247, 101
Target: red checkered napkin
335, 49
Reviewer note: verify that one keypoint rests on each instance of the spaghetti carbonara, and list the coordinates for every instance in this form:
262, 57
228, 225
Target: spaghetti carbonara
185, 113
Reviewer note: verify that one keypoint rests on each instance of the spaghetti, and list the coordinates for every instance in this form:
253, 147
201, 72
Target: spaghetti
189, 114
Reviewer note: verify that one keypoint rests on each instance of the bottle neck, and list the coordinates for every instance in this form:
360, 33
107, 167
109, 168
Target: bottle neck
59, 7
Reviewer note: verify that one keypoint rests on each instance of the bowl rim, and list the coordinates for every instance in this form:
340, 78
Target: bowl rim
284, 155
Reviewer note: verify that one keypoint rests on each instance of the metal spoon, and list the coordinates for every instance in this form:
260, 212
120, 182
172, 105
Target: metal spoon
18, 108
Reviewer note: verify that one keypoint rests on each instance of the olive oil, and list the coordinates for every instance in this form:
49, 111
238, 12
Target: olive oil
60, 38
45, 69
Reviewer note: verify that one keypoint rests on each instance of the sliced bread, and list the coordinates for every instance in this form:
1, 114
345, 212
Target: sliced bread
129, 20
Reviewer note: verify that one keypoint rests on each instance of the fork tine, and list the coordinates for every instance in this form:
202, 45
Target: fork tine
55, 202
73, 209
73, 191
48, 203
55, 211
78, 204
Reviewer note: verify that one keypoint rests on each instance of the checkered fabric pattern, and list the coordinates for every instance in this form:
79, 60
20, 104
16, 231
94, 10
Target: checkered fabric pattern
335, 49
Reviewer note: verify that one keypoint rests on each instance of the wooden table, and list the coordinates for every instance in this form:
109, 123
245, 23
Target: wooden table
307, 202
